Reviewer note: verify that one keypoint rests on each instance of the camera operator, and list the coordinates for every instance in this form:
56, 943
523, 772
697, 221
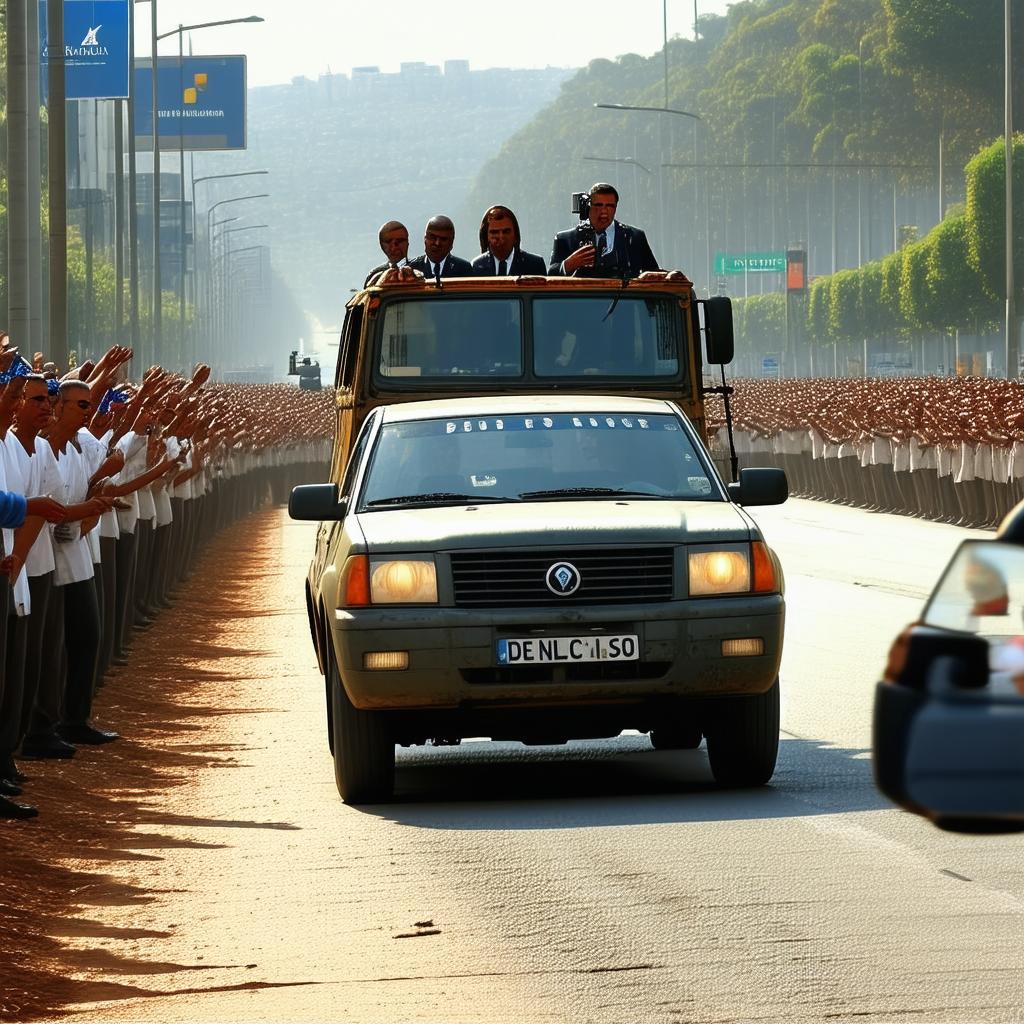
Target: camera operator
600, 246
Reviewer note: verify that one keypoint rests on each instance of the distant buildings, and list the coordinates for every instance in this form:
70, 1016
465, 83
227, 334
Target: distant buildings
368, 81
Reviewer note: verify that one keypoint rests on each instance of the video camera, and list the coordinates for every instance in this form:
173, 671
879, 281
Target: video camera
581, 207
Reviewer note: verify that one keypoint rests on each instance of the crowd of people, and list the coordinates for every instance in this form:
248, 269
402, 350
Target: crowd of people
943, 448
108, 489
598, 246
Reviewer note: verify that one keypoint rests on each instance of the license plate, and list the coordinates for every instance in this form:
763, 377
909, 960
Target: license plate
569, 649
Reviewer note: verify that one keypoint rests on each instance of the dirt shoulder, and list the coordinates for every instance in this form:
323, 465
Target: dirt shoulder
109, 814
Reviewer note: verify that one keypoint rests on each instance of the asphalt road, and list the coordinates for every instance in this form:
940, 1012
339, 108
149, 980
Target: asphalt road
598, 882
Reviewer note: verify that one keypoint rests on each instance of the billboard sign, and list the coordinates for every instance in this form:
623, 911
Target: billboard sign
750, 263
201, 103
95, 49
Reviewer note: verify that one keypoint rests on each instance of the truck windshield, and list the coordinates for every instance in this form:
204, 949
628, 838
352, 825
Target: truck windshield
561, 336
542, 457
597, 336
452, 337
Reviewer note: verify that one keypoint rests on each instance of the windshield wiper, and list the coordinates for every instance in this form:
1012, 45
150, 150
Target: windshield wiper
437, 496
588, 492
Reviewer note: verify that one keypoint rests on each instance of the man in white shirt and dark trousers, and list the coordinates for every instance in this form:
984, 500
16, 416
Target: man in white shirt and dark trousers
75, 589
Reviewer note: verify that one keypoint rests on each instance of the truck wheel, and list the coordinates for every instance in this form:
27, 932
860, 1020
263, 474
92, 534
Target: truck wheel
364, 749
682, 735
743, 739
328, 683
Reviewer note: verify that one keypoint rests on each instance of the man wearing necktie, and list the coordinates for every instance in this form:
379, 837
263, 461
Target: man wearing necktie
394, 243
438, 260
500, 252
617, 250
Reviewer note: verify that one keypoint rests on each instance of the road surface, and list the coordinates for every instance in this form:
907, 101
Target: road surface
599, 882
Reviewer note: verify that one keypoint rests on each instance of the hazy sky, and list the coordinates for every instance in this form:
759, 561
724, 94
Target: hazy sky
305, 37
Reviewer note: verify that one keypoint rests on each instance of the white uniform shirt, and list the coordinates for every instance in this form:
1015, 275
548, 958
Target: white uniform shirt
94, 451
43, 480
134, 447
74, 559
161, 489
21, 601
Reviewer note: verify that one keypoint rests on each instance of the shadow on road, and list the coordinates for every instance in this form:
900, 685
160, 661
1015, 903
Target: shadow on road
613, 783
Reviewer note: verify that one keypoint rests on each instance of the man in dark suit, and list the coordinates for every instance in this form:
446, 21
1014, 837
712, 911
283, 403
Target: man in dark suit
500, 254
438, 261
611, 250
394, 243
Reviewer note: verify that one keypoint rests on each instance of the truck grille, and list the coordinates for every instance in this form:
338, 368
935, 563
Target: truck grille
493, 579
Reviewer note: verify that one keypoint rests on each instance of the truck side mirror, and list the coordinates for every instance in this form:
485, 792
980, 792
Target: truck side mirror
756, 486
718, 335
316, 503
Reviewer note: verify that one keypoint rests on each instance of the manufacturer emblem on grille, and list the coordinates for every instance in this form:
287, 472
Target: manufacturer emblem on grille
563, 579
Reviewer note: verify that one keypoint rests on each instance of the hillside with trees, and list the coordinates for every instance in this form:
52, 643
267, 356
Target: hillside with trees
820, 122
346, 154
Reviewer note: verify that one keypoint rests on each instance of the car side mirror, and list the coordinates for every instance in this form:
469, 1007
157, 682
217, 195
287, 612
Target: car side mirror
718, 333
760, 486
316, 503
944, 744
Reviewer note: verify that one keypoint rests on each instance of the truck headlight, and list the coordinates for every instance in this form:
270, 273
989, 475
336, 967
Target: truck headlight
719, 572
403, 581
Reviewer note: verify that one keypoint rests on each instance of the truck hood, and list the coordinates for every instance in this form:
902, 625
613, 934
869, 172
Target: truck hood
565, 523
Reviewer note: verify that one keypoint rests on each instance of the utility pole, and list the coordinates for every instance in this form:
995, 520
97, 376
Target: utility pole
1012, 356
119, 222
18, 271
664, 27
35, 185
183, 360
157, 279
58, 183
133, 197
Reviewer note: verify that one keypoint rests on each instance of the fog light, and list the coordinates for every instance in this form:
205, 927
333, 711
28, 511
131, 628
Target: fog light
747, 647
386, 661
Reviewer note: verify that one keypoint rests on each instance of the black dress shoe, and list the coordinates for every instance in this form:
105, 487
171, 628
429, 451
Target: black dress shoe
48, 748
8, 788
85, 733
18, 812
9, 770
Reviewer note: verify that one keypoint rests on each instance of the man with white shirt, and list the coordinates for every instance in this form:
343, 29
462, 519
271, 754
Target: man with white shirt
32, 466
75, 589
438, 260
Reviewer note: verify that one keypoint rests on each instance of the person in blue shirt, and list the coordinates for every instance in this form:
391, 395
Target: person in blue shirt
14, 509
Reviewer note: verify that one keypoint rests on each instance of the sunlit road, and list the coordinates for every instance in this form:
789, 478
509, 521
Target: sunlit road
599, 882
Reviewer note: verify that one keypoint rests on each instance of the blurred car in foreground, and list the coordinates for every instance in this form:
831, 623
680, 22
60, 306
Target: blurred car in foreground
542, 569
948, 730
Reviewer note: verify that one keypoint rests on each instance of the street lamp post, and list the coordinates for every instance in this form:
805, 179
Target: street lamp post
1012, 356
696, 118
180, 33
209, 231
213, 177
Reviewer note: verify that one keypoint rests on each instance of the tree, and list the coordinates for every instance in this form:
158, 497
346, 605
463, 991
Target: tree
986, 216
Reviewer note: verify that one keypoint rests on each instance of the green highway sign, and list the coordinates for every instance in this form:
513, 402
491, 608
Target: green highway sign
750, 263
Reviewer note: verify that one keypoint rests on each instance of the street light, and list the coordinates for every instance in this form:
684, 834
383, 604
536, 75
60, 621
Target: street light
180, 33
695, 118
619, 160
209, 239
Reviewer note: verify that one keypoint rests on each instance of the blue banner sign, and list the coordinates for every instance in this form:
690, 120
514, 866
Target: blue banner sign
95, 49
201, 103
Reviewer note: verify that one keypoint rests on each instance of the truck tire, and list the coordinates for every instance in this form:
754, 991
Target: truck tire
683, 735
743, 738
364, 749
